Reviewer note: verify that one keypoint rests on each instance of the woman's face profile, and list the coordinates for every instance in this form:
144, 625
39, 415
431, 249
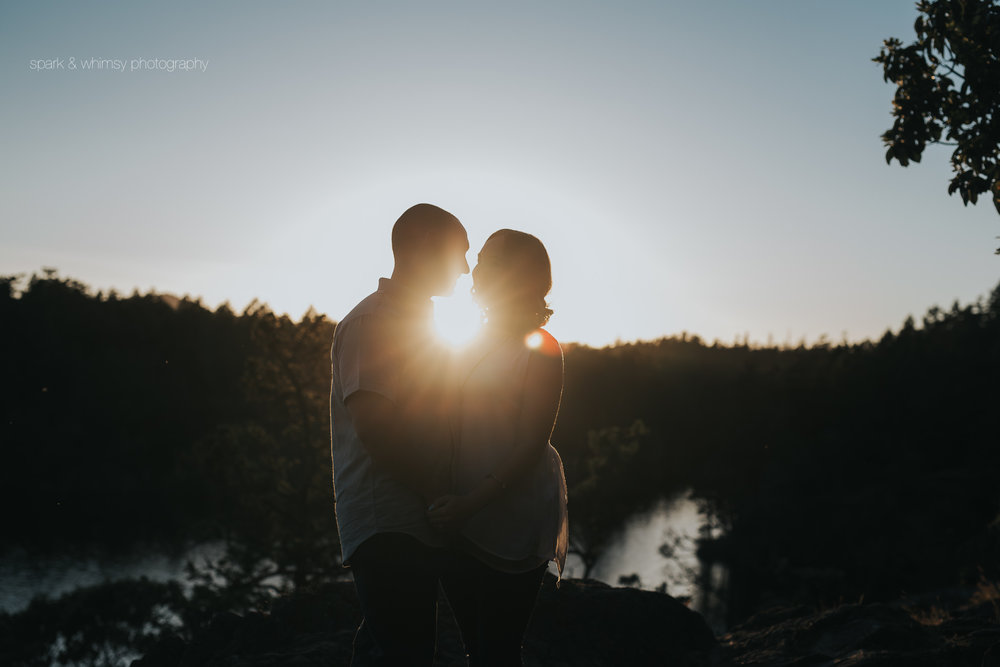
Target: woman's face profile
489, 271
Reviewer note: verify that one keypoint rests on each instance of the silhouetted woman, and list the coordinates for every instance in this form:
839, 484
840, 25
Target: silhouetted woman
509, 507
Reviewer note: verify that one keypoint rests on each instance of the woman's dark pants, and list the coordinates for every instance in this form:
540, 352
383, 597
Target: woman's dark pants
492, 608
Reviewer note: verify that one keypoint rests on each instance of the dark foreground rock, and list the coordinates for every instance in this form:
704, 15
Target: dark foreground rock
869, 635
582, 623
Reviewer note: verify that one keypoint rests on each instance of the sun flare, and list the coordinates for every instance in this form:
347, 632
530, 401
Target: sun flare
533, 340
456, 318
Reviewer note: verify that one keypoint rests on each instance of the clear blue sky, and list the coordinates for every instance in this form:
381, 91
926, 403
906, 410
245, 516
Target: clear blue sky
708, 167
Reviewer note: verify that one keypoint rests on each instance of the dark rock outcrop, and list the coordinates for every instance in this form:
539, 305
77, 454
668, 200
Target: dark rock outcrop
582, 623
589, 623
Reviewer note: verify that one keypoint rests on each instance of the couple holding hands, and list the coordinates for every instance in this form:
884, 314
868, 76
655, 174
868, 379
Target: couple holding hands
442, 466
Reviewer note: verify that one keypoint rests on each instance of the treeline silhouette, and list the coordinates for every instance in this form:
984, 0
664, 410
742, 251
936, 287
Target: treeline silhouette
154, 419
836, 470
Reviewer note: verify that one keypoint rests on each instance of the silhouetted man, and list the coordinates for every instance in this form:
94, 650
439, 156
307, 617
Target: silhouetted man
391, 444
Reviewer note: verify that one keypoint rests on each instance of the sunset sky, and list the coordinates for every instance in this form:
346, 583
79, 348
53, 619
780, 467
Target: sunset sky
713, 168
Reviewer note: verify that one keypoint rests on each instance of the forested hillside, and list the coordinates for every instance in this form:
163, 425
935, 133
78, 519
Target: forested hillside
836, 469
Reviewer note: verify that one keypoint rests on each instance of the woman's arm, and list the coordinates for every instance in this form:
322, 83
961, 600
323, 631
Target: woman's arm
540, 406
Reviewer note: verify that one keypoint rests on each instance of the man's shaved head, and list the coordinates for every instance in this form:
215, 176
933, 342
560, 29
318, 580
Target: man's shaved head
429, 246
421, 227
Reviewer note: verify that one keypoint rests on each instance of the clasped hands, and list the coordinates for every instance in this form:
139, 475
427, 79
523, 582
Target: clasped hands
448, 512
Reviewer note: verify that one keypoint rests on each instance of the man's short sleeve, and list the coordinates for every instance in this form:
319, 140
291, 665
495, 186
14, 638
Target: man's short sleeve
364, 357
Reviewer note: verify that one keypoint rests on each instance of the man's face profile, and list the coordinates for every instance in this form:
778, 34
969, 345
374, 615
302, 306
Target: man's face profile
451, 262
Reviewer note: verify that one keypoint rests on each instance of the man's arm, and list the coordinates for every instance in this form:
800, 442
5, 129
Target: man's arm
380, 428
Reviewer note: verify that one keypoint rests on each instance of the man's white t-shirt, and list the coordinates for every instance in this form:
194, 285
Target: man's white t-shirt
385, 345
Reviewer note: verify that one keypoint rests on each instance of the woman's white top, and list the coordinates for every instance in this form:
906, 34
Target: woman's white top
526, 525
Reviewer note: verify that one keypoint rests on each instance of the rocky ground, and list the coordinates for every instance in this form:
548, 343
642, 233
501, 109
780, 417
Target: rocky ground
585, 623
952, 628
582, 623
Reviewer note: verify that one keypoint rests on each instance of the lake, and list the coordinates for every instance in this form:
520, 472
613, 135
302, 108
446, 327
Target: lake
636, 550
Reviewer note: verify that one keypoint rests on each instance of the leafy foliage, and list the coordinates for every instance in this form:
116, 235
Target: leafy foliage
948, 91
99, 626
277, 506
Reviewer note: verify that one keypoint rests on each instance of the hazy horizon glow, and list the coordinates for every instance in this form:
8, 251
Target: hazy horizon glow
709, 168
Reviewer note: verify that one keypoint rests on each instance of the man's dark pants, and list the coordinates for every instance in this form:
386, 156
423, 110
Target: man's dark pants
396, 576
